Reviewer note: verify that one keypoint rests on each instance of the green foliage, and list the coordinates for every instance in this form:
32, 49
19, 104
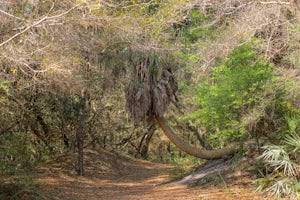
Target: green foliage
22, 187
18, 156
292, 124
193, 28
183, 165
18, 153
282, 164
278, 158
66, 107
3, 89
293, 141
230, 91
180, 171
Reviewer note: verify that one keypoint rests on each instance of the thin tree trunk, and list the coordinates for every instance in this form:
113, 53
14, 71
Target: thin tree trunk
80, 131
144, 147
194, 151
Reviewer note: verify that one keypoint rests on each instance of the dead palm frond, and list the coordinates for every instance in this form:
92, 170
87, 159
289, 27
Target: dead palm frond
283, 187
150, 92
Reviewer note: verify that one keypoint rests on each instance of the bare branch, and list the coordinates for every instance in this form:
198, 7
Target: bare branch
275, 2
64, 13
10, 15
21, 32
38, 22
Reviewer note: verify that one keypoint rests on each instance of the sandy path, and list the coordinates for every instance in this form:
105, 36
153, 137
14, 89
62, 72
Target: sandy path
129, 179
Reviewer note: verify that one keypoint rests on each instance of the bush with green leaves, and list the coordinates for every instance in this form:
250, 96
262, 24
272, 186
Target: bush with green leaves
18, 153
230, 92
22, 187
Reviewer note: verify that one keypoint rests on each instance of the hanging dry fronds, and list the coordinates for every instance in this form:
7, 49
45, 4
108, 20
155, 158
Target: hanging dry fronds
163, 92
147, 95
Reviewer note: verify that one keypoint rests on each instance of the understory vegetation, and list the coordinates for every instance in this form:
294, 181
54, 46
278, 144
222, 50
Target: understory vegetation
96, 74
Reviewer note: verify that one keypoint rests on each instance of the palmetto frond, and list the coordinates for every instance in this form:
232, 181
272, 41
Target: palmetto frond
283, 187
278, 158
293, 141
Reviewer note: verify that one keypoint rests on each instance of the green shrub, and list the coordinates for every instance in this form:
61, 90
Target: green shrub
194, 29
22, 187
18, 156
230, 92
18, 153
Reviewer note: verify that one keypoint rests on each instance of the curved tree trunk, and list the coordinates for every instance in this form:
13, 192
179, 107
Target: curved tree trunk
194, 151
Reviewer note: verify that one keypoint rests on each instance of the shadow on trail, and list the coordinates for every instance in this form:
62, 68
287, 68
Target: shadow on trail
106, 175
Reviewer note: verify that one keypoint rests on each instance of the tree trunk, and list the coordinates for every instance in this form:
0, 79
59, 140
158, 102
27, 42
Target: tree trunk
143, 148
80, 134
194, 151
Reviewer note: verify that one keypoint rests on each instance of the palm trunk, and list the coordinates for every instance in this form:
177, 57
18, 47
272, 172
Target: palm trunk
194, 151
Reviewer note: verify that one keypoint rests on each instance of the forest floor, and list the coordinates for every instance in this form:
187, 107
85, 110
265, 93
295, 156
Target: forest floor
111, 176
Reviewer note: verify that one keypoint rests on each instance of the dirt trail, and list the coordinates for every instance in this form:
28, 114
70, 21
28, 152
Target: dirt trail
109, 176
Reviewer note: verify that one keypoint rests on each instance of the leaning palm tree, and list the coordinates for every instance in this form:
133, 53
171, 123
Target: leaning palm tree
148, 96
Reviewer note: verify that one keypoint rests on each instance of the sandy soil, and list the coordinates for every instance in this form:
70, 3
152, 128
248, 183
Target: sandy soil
110, 176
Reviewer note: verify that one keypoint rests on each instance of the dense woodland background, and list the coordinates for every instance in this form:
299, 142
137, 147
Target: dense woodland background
73, 73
